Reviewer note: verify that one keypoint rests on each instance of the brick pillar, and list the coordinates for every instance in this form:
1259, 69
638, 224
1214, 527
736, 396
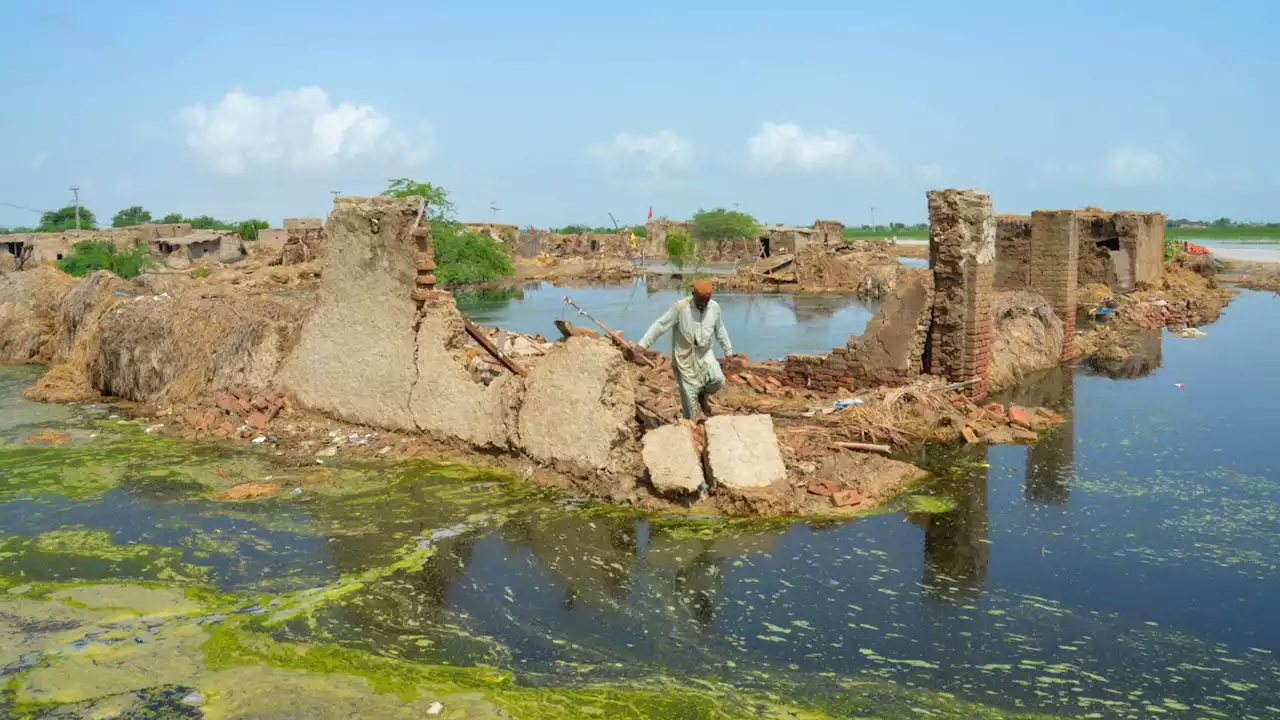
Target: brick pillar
1055, 265
426, 283
962, 248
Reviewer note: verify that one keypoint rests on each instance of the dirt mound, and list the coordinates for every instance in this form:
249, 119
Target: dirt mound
1028, 337
816, 269
29, 310
1180, 296
161, 349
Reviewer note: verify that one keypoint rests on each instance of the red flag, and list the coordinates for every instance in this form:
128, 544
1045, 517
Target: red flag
650, 212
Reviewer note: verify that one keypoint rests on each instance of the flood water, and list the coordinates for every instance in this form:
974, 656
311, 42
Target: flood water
1124, 566
760, 325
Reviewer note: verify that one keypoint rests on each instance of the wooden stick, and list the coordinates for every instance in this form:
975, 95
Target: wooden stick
864, 447
960, 385
489, 347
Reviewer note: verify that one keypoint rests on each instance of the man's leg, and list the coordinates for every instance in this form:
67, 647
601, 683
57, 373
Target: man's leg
688, 397
704, 397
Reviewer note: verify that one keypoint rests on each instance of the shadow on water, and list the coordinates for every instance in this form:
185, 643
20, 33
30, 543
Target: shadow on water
1124, 565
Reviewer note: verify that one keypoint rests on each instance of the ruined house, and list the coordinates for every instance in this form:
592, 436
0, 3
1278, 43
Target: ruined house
303, 223
1120, 249
504, 233
201, 246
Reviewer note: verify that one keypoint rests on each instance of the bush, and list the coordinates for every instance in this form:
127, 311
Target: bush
200, 272
87, 257
465, 256
680, 249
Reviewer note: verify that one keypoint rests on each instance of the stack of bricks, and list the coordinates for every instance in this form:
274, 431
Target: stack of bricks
425, 288
1055, 255
962, 236
828, 373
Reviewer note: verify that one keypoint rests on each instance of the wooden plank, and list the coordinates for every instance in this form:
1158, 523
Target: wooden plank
490, 348
864, 447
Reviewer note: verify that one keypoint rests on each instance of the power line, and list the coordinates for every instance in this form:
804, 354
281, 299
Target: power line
22, 207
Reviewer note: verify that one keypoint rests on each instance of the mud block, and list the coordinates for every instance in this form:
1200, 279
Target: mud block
672, 459
744, 451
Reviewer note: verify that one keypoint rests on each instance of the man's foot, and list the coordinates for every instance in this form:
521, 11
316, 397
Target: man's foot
704, 402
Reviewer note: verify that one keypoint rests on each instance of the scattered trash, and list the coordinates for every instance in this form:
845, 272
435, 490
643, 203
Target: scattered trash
195, 698
1161, 302
1190, 333
295, 492
152, 429
121, 293
1104, 311
260, 439
1179, 385
435, 708
385, 450
328, 452
850, 402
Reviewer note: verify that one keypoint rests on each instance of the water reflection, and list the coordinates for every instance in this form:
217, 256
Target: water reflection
956, 549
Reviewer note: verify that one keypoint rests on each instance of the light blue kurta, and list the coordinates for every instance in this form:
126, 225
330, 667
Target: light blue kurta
692, 355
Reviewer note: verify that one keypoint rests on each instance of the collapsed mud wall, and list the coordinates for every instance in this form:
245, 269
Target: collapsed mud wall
1120, 249
559, 245
383, 349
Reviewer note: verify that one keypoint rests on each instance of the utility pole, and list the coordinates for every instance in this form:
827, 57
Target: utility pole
335, 193
873, 217
735, 207
75, 191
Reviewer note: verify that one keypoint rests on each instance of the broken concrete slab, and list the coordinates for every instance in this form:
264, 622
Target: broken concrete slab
355, 357
743, 452
579, 409
446, 402
672, 458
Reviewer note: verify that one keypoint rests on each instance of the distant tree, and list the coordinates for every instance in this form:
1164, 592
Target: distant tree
438, 205
249, 228
577, 229
680, 249
65, 219
1223, 222
721, 226
171, 219
131, 216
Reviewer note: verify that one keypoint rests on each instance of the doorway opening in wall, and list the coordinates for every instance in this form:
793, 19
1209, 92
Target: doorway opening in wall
1110, 243
13, 248
59, 256
595, 245
765, 247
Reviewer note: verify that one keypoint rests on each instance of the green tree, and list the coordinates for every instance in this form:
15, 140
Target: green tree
172, 219
438, 205
721, 226
680, 249
1223, 222
65, 219
131, 216
249, 228
462, 256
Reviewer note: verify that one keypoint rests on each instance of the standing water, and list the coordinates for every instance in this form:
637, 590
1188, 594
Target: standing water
1124, 566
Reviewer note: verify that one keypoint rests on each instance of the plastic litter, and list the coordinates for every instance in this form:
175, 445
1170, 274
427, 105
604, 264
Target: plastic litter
1179, 385
296, 492
849, 402
260, 439
435, 708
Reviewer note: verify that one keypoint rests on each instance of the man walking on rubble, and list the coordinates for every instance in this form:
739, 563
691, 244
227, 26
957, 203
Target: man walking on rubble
695, 321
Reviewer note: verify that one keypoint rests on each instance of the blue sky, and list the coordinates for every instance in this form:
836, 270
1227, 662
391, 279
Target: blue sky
563, 112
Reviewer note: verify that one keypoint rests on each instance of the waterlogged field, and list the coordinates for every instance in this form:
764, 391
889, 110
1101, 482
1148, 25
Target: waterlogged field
1124, 567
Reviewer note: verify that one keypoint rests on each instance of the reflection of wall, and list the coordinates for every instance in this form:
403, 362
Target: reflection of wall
955, 551
594, 558
699, 566
1051, 460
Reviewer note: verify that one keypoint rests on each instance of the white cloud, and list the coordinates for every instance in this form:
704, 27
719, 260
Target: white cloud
659, 154
787, 145
299, 129
931, 174
37, 161
1130, 166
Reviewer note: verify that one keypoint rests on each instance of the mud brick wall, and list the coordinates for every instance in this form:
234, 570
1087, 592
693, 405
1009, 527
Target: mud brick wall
828, 232
962, 239
303, 223
1013, 252
830, 373
1055, 260
1141, 235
